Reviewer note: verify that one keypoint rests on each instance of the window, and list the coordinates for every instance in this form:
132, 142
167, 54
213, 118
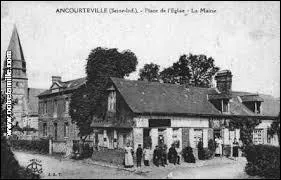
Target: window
65, 129
257, 136
44, 129
224, 106
112, 101
45, 107
56, 131
55, 107
258, 105
66, 105
198, 134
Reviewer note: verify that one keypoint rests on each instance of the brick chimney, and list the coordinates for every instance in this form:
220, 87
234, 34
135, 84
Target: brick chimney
56, 79
224, 81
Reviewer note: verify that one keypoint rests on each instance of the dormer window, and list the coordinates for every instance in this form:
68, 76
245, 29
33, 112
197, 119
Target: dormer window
252, 102
55, 88
225, 106
112, 101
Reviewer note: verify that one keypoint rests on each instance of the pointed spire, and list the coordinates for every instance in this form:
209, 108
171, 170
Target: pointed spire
15, 46
18, 61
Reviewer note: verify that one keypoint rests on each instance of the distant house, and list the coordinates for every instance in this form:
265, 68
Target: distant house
54, 119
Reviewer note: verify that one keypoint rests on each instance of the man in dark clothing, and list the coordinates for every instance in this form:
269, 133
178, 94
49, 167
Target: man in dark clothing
139, 155
165, 154
160, 155
156, 156
173, 155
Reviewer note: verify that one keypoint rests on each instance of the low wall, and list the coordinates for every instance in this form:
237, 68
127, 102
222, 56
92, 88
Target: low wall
59, 146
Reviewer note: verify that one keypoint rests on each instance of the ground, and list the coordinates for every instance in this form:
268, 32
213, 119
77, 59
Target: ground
57, 167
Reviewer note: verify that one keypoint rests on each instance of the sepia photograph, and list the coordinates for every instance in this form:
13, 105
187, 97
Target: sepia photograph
140, 90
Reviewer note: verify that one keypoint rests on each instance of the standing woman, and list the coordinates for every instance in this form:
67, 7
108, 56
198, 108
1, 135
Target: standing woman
217, 151
146, 154
235, 149
220, 146
129, 156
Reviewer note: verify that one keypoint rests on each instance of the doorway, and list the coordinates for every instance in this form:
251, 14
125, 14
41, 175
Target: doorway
147, 142
217, 133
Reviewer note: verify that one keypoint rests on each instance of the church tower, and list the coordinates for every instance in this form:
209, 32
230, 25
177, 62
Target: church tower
19, 78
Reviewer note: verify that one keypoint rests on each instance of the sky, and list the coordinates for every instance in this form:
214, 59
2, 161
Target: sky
243, 37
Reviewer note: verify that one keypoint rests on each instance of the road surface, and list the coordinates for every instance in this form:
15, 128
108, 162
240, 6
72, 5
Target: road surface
57, 168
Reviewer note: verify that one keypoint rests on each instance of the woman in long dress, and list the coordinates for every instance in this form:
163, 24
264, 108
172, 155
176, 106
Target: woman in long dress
146, 154
129, 157
235, 149
218, 141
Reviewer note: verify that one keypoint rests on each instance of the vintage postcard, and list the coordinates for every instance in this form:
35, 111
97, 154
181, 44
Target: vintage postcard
118, 90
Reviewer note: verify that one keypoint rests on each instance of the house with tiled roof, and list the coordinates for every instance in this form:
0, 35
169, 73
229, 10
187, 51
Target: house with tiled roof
179, 114
25, 109
147, 113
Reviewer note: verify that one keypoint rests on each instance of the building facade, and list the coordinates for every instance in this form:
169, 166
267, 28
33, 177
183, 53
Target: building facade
54, 118
25, 109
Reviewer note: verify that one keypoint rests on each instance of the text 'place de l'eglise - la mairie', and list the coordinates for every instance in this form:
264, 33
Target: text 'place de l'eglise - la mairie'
175, 113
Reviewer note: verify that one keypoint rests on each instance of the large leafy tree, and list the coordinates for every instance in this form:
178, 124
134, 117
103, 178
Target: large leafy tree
149, 72
90, 100
195, 70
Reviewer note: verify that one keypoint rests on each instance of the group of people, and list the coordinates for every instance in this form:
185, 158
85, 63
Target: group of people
160, 156
235, 147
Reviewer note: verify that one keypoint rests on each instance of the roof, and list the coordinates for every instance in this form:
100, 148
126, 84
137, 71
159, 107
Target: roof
15, 46
154, 97
33, 100
270, 105
238, 108
157, 98
66, 86
250, 98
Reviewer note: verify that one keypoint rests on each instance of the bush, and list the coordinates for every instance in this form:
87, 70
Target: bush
40, 146
263, 161
188, 155
10, 168
212, 145
227, 150
208, 154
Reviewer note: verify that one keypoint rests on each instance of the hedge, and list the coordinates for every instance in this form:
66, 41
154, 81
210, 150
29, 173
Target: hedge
40, 146
263, 161
114, 156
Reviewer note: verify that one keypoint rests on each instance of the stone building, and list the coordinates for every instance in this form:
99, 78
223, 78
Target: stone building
180, 114
25, 109
54, 119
